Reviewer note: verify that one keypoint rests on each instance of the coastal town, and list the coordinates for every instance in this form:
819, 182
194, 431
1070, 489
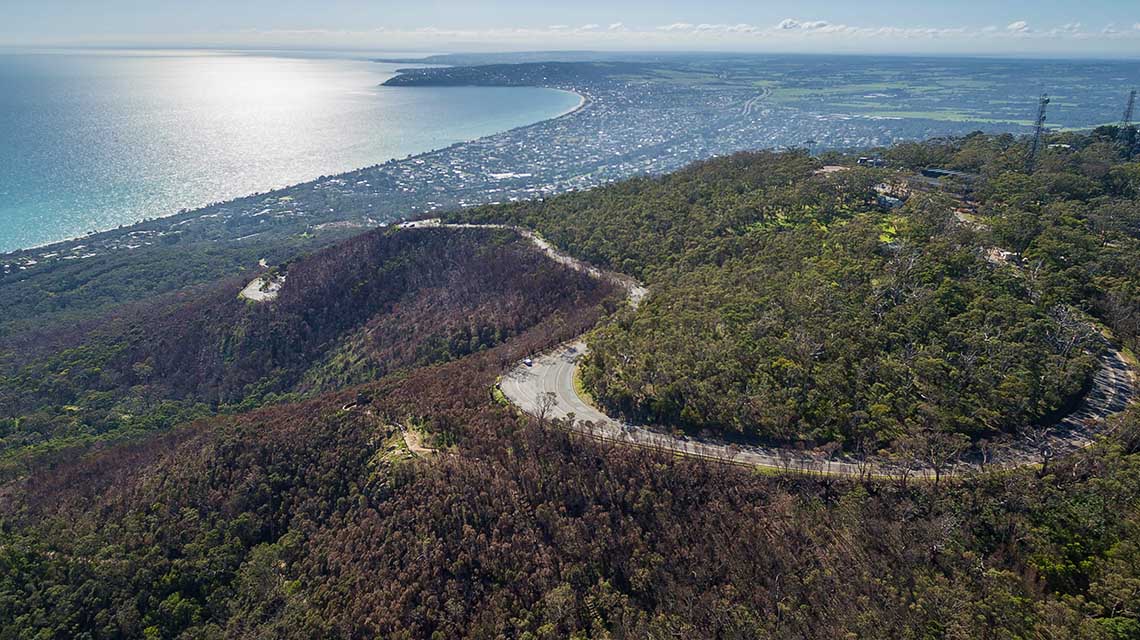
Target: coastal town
625, 126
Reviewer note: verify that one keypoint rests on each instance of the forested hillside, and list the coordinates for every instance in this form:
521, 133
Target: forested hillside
298, 521
789, 305
279, 494
1076, 220
347, 314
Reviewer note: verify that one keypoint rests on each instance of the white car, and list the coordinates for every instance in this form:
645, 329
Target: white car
528, 362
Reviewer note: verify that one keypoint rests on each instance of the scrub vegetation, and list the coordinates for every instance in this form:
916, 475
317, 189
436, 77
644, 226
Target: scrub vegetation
791, 307
285, 504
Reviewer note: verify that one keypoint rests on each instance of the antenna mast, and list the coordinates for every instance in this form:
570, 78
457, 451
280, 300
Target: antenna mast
1038, 132
1123, 136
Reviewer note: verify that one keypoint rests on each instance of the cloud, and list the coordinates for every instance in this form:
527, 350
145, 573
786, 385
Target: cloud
809, 35
810, 25
791, 27
726, 28
790, 34
810, 32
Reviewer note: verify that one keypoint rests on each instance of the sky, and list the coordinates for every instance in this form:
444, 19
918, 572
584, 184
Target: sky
1109, 28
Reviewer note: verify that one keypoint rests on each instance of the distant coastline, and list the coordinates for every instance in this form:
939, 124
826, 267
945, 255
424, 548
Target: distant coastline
583, 102
644, 118
47, 210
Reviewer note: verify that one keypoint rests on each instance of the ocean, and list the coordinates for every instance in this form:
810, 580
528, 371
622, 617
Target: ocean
93, 140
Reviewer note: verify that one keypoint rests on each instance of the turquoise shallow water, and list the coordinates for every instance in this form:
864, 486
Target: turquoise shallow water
96, 140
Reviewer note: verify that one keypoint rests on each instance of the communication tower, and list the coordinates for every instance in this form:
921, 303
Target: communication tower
1124, 136
1038, 132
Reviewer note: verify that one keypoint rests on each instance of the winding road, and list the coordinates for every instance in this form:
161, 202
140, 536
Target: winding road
545, 388
553, 372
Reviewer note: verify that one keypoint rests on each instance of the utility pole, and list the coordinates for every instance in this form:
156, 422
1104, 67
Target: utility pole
1038, 132
1124, 136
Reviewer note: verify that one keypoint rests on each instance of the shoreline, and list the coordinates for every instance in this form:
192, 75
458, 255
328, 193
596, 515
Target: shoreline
583, 102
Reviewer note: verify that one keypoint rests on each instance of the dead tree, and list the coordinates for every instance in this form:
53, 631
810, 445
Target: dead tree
544, 403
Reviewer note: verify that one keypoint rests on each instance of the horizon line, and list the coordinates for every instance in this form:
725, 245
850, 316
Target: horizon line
435, 51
